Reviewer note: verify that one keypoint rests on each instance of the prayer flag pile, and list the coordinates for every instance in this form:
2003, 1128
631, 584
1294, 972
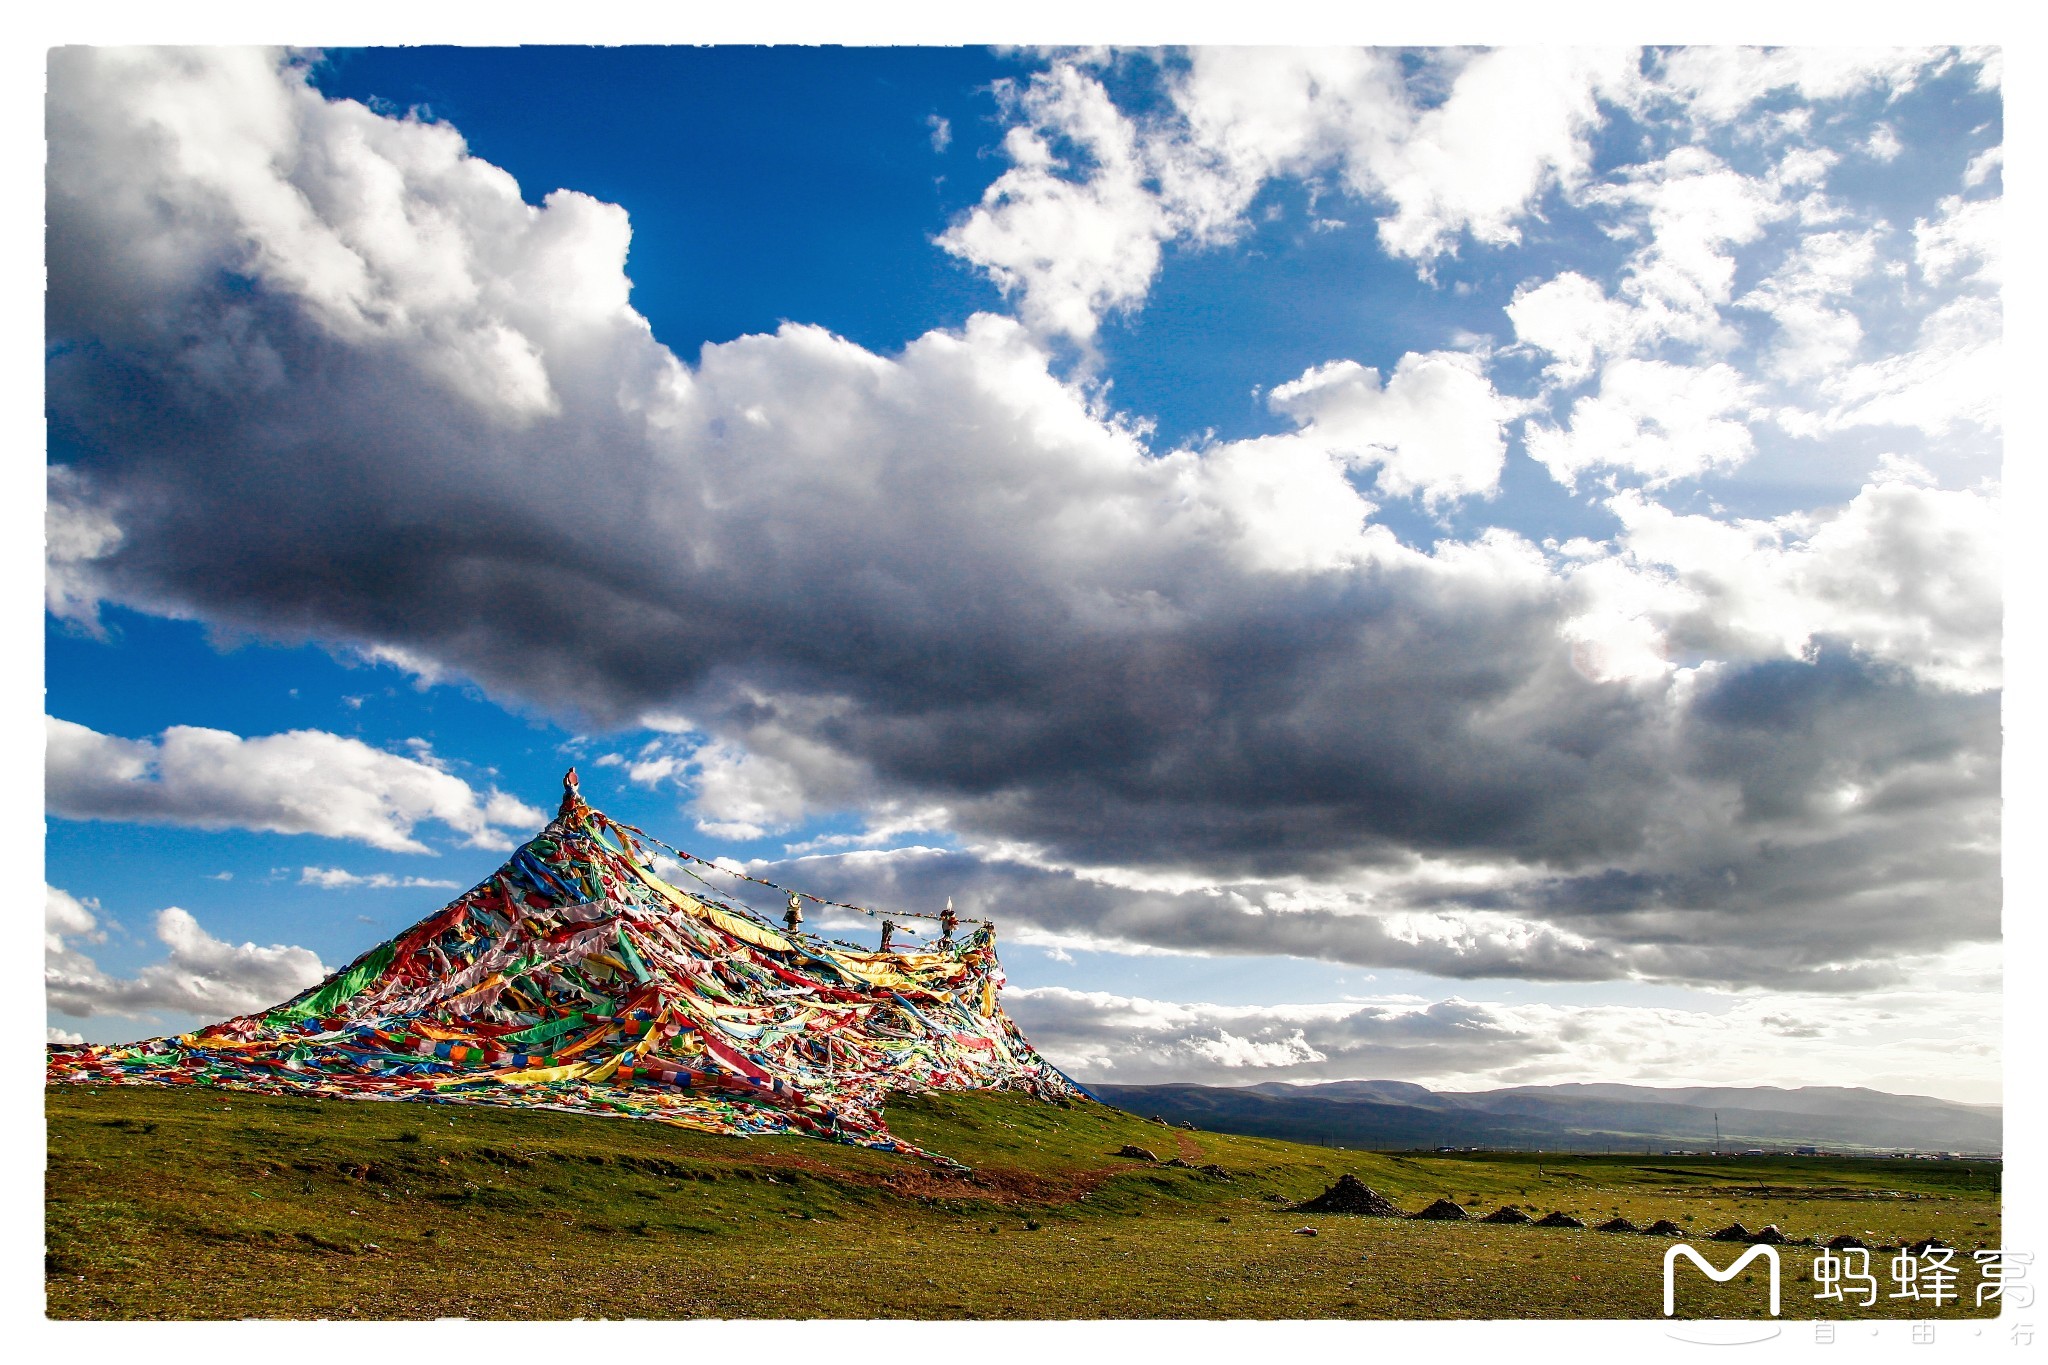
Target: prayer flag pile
575, 978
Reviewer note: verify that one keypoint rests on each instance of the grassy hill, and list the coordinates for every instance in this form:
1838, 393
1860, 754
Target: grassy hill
181, 1203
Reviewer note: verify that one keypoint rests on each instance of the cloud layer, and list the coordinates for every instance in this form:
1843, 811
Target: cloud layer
1945, 1026
333, 378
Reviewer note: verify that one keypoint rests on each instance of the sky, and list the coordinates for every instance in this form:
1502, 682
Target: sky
1469, 566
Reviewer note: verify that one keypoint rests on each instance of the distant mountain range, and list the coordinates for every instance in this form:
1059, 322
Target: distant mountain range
1581, 1118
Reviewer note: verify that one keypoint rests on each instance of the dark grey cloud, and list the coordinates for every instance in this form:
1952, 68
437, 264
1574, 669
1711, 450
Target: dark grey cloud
337, 381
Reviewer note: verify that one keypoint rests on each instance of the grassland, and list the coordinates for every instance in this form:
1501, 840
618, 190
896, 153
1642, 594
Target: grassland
205, 1204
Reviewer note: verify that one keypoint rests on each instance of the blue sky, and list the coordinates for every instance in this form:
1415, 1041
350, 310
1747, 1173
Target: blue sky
1475, 567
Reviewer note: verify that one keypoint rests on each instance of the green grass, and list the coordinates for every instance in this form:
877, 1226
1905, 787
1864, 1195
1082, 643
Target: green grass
206, 1204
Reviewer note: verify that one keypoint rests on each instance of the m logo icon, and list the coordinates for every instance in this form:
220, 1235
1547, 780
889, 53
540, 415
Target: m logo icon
1769, 1253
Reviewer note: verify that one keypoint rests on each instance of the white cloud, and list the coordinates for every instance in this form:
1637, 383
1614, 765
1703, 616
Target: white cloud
1435, 429
1949, 378
386, 232
1906, 573
1818, 334
335, 879
1967, 231
1233, 1053
66, 916
1983, 166
60, 1035
1694, 208
1990, 64
1071, 249
1690, 211
1517, 122
1575, 322
1953, 376
1719, 84
199, 975
1079, 236
1660, 421
301, 782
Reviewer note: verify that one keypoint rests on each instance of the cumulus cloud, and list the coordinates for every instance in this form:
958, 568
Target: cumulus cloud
1904, 573
1653, 419
335, 379
1079, 235
301, 782
1436, 428
199, 974
1071, 248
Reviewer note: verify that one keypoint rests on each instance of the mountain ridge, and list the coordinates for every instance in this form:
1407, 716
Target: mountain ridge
1575, 1116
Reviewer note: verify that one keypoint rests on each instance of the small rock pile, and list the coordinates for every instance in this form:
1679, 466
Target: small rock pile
1350, 1195
1135, 1152
1558, 1220
1664, 1227
1617, 1225
1443, 1211
1506, 1214
1734, 1232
